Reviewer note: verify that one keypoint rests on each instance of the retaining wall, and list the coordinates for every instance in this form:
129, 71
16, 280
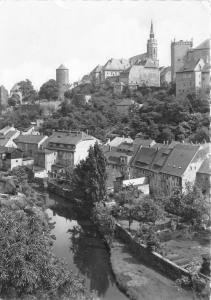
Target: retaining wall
153, 259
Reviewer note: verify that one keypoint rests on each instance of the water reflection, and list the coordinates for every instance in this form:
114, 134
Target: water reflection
79, 243
91, 257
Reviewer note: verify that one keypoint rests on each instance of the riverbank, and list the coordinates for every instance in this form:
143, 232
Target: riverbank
140, 282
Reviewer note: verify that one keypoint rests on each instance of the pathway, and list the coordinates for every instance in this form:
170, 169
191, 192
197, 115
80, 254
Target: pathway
140, 281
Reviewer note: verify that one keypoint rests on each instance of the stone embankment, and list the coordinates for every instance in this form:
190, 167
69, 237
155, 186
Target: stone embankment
140, 282
137, 279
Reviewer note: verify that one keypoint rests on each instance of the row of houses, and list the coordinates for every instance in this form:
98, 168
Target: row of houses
165, 166
46, 155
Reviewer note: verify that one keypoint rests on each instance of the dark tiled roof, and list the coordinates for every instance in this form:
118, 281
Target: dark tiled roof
9, 150
68, 138
125, 146
145, 156
179, 159
29, 139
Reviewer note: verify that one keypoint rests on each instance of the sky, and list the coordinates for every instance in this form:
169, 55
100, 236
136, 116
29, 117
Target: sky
38, 36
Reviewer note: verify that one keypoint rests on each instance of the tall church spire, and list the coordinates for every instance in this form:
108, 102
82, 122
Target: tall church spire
152, 45
151, 31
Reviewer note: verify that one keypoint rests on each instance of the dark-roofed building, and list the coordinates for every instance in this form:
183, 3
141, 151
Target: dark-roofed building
194, 75
71, 146
140, 142
182, 165
10, 158
30, 144
169, 166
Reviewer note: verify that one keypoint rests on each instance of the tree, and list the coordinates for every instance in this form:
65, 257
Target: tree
49, 90
89, 178
14, 100
28, 266
149, 211
127, 199
201, 135
28, 92
191, 205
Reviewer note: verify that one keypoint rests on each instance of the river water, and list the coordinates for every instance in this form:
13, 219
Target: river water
78, 242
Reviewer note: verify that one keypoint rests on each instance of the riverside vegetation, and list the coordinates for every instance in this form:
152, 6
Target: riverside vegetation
29, 269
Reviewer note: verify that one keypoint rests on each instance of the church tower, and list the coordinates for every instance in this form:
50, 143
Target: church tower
152, 45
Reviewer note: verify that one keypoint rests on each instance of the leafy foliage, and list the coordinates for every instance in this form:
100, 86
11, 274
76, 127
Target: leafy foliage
162, 117
27, 264
102, 216
28, 92
192, 205
89, 178
49, 90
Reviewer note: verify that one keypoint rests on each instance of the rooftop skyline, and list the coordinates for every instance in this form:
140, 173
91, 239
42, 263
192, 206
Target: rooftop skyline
38, 36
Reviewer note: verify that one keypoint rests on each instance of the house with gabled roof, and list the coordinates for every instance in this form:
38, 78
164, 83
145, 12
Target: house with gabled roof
170, 166
114, 67
30, 143
71, 147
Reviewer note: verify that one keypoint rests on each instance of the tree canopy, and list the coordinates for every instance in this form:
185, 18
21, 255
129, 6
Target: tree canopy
49, 90
28, 92
89, 178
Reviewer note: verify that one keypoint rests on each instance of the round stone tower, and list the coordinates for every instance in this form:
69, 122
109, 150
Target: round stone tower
62, 78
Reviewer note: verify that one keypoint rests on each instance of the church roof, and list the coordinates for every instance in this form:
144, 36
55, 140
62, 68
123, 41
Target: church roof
204, 45
136, 58
62, 67
147, 63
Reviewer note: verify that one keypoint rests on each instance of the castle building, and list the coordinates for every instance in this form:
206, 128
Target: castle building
123, 71
194, 75
62, 78
178, 52
144, 68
